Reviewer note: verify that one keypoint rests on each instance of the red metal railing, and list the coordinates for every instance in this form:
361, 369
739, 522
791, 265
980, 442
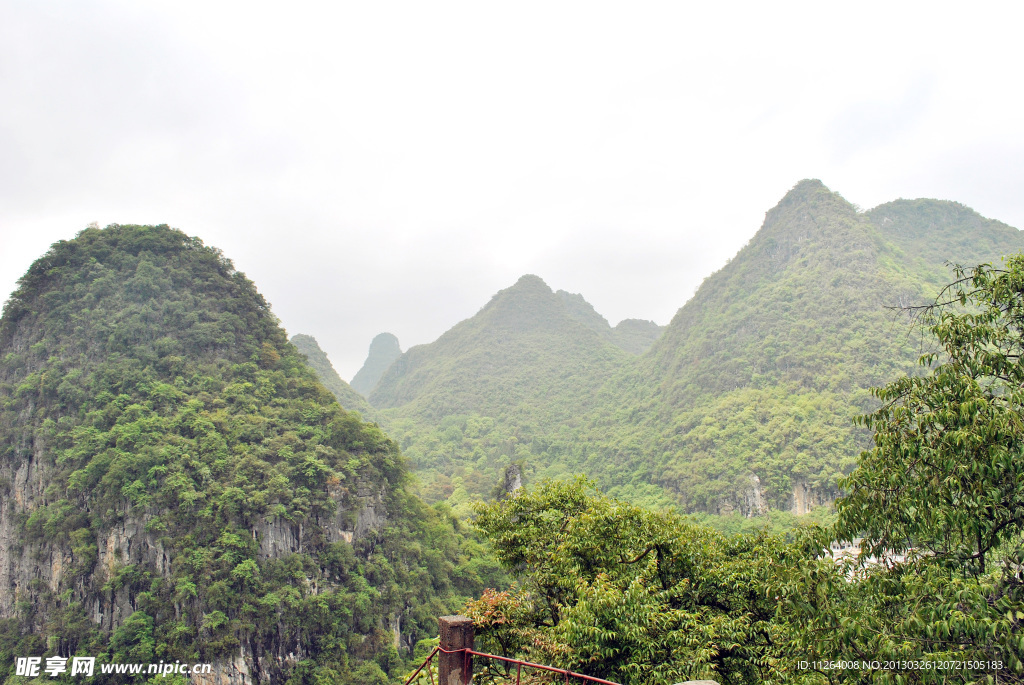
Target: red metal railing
518, 663
426, 663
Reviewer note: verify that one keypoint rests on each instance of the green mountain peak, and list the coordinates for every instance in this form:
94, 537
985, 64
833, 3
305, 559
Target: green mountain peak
743, 404
526, 305
509, 352
175, 481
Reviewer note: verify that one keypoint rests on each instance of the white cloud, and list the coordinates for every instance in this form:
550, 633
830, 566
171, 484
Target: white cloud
389, 166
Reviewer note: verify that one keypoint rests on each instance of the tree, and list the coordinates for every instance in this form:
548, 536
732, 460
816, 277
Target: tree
946, 475
613, 590
938, 502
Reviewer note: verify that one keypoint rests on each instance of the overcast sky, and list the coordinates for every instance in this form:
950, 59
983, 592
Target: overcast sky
381, 166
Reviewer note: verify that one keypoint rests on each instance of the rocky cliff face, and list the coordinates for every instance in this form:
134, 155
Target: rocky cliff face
807, 498
33, 571
749, 501
227, 672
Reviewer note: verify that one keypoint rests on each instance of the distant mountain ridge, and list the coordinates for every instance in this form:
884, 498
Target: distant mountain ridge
520, 343
632, 335
751, 390
384, 350
929, 231
755, 382
743, 403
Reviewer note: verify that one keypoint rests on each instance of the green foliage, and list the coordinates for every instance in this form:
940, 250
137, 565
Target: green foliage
511, 384
132, 641
929, 233
944, 487
523, 327
761, 372
945, 476
187, 465
612, 590
936, 593
775, 523
152, 394
746, 397
316, 358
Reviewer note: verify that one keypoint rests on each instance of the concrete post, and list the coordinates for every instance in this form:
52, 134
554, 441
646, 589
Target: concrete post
456, 634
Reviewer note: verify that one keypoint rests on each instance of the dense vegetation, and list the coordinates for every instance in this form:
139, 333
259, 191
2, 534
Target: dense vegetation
511, 383
935, 594
615, 591
755, 383
316, 358
944, 486
176, 484
744, 405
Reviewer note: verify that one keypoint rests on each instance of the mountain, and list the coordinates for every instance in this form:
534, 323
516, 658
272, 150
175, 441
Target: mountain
317, 359
632, 335
175, 484
521, 349
746, 401
500, 387
929, 233
743, 404
636, 335
384, 350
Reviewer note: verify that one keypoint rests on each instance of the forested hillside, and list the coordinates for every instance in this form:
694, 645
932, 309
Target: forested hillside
176, 484
929, 233
747, 400
931, 593
317, 359
743, 404
513, 381
524, 343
